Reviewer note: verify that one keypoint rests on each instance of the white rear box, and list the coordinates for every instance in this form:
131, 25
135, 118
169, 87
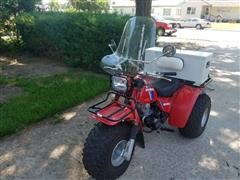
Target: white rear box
195, 64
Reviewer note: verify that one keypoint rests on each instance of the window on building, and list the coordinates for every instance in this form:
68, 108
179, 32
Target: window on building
166, 12
191, 10
133, 10
178, 12
207, 11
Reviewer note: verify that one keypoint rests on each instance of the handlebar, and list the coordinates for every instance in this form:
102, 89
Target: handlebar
147, 62
159, 76
169, 73
141, 61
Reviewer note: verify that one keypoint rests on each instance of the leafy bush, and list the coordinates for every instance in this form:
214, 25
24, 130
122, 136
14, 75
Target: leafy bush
80, 38
10, 45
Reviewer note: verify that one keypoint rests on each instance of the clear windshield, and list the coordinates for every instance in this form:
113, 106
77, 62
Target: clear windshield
139, 34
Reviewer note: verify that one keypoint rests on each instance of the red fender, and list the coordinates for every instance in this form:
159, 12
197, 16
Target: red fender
182, 105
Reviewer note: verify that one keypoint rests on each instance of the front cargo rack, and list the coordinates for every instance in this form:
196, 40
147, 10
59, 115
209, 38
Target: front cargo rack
114, 111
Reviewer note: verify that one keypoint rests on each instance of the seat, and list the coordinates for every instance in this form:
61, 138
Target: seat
166, 88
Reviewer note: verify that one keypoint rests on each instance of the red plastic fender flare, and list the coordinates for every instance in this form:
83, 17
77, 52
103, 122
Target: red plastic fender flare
182, 105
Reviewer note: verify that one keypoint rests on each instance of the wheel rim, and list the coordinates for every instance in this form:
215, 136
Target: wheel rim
204, 117
160, 32
117, 157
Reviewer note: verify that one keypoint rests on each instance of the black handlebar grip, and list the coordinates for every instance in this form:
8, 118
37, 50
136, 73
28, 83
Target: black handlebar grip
169, 73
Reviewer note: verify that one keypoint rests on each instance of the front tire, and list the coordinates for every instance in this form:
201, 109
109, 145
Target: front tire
160, 31
198, 119
103, 150
179, 25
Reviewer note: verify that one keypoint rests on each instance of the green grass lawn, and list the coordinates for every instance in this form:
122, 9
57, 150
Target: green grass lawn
45, 96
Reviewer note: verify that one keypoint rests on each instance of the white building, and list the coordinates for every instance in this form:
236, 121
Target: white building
183, 9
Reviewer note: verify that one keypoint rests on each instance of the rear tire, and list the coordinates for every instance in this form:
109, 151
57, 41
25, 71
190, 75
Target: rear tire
160, 31
179, 25
198, 119
199, 26
98, 151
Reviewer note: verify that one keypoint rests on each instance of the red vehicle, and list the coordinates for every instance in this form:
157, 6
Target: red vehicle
164, 27
141, 102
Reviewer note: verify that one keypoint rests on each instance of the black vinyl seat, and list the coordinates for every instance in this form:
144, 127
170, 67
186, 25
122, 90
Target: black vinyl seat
166, 88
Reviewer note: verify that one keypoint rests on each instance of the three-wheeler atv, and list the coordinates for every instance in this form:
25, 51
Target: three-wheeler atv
141, 101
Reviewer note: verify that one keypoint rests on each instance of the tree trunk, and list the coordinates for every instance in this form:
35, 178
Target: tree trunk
143, 7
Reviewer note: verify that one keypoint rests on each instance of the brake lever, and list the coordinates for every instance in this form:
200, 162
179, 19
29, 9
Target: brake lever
170, 80
163, 77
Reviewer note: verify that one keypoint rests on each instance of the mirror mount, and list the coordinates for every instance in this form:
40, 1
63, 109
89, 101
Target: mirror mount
112, 45
169, 51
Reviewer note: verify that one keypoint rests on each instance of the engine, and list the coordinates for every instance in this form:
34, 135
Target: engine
151, 116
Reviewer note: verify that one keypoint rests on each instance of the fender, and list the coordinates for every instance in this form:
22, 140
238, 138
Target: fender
182, 105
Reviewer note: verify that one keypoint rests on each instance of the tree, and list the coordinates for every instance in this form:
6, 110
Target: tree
90, 5
143, 7
27, 5
103, 5
9, 9
54, 5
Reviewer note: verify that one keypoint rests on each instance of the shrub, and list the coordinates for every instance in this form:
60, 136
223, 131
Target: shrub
10, 45
79, 38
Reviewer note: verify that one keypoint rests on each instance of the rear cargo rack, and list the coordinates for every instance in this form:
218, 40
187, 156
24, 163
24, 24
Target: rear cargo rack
118, 111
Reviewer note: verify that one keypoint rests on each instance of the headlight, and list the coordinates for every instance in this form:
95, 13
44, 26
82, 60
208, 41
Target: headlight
119, 84
169, 26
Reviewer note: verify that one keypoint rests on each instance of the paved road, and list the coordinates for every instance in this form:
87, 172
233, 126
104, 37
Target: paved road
53, 151
228, 37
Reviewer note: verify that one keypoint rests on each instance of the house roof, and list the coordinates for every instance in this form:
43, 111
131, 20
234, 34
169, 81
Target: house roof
167, 3
131, 3
217, 3
224, 3
176, 3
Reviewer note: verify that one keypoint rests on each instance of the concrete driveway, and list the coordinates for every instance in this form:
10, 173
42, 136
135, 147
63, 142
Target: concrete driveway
216, 154
53, 151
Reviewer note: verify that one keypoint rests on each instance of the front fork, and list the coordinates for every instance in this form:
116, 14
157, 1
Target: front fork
136, 135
